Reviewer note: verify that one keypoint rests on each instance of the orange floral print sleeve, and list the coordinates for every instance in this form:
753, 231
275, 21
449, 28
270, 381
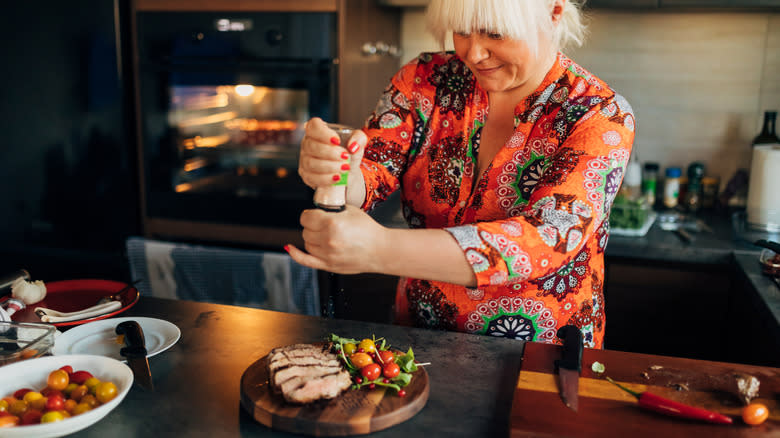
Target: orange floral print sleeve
534, 226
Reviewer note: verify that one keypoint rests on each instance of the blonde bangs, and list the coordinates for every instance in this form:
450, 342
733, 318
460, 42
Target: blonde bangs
522, 20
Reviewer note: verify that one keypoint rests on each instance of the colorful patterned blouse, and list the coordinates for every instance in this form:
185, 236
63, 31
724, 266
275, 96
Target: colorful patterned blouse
535, 225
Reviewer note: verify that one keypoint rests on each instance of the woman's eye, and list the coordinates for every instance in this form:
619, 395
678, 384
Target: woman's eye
462, 34
495, 36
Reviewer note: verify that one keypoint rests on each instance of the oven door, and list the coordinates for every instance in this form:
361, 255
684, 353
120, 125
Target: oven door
221, 130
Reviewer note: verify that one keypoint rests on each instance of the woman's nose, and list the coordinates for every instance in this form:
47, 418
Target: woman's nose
476, 52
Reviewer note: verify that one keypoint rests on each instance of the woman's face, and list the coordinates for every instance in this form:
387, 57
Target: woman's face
502, 64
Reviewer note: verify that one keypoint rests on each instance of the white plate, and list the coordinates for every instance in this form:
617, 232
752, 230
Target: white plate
99, 337
32, 373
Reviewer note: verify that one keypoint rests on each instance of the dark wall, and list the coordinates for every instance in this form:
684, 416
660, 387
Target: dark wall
68, 193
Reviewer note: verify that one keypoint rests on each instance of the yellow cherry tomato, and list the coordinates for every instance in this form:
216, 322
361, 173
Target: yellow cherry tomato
70, 404
18, 408
92, 384
58, 379
3, 405
349, 348
52, 416
361, 359
755, 414
367, 345
106, 391
81, 408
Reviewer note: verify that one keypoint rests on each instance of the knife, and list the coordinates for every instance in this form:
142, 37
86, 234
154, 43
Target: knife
570, 365
135, 352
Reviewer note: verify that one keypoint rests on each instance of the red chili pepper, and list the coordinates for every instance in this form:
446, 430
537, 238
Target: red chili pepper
675, 409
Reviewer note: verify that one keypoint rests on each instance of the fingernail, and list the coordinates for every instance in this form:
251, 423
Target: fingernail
344, 155
287, 248
353, 147
335, 140
336, 177
345, 166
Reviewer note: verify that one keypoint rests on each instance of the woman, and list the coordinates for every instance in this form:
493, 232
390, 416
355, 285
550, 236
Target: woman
508, 156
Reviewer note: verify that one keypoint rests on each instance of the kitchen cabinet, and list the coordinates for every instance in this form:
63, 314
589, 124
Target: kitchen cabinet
622, 4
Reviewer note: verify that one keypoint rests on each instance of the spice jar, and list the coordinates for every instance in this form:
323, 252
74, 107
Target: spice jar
709, 191
692, 200
650, 182
672, 186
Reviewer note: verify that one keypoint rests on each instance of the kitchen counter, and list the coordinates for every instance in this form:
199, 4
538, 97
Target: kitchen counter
473, 380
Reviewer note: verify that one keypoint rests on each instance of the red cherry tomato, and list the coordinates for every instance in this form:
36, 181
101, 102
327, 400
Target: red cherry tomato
80, 377
386, 356
55, 403
19, 394
48, 392
68, 369
391, 370
371, 371
32, 417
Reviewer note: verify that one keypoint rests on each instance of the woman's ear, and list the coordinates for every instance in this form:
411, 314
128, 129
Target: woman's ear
557, 10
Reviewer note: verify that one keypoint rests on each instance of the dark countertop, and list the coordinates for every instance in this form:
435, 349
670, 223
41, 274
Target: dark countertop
197, 381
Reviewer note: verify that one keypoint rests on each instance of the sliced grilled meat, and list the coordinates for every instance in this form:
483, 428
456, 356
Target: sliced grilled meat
303, 373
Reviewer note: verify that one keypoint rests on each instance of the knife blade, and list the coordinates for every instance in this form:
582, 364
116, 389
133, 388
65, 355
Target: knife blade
135, 352
570, 365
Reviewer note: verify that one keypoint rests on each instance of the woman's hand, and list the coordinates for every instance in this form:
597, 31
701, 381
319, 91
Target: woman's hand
323, 158
348, 242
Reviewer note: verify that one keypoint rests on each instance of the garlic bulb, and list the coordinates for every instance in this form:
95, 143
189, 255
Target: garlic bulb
30, 292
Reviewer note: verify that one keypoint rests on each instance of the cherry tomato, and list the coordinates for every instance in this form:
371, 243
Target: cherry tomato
755, 414
349, 348
360, 360
386, 356
70, 404
371, 371
32, 417
3, 405
79, 392
92, 384
9, 421
18, 408
52, 416
19, 394
58, 380
68, 369
106, 391
48, 392
55, 403
367, 345
391, 370
81, 408
32, 396
401, 393
80, 377
90, 400
68, 389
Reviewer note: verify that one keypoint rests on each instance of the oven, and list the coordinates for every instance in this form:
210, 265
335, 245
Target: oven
221, 102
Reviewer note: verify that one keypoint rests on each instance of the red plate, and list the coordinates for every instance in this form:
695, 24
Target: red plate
73, 295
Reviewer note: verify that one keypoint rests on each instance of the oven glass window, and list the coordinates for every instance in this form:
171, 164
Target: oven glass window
235, 139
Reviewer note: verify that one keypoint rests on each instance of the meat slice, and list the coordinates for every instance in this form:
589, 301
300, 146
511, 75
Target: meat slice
321, 388
303, 373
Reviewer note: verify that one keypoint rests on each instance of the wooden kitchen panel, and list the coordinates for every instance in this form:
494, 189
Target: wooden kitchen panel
237, 5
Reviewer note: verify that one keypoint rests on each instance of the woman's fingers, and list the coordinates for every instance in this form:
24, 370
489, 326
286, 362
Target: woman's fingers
321, 158
304, 258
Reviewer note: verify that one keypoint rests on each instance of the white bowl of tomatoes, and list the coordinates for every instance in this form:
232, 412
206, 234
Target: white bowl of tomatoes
45, 385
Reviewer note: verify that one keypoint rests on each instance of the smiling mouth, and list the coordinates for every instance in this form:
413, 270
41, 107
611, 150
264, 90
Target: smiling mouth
488, 70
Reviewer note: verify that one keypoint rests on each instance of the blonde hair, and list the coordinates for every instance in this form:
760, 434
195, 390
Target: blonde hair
517, 19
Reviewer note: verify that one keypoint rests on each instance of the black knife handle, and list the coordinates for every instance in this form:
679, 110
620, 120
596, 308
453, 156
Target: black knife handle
572, 348
134, 336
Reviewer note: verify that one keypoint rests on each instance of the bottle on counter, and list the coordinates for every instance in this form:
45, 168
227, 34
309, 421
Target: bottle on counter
632, 182
672, 186
710, 187
768, 134
650, 182
692, 200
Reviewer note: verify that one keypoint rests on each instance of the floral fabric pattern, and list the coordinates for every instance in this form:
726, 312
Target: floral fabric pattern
534, 225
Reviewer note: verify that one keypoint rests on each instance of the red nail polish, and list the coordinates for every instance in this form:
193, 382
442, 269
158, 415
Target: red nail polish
336, 177
345, 166
335, 141
353, 147
344, 155
287, 248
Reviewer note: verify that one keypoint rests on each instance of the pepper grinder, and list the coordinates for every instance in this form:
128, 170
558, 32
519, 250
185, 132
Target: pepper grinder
333, 198
692, 201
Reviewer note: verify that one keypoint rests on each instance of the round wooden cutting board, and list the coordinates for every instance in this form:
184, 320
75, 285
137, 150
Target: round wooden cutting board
354, 412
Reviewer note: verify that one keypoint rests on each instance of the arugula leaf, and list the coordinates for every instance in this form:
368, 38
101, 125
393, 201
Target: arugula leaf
402, 379
406, 361
341, 341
